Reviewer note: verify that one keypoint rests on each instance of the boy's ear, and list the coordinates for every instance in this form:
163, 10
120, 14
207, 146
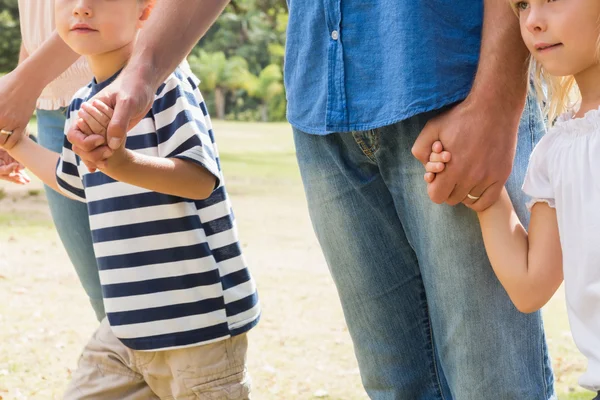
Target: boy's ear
148, 7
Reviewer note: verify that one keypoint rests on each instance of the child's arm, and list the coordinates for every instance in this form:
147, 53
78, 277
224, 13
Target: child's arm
172, 176
528, 266
40, 161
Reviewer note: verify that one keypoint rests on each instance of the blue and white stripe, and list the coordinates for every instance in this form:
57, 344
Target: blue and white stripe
171, 268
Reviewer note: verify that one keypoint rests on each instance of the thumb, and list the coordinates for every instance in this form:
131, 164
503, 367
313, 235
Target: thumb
117, 128
421, 149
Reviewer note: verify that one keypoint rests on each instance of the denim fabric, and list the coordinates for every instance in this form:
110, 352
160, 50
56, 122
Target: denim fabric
355, 65
428, 318
70, 216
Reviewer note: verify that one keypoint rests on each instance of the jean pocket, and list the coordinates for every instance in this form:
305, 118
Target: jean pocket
233, 386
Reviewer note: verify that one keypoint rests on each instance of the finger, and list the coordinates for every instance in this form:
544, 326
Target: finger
424, 143
83, 141
429, 177
106, 110
440, 189
98, 115
83, 126
473, 195
94, 125
24, 176
444, 156
12, 139
435, 167
95, 157
117, 129
437, 147
488, 198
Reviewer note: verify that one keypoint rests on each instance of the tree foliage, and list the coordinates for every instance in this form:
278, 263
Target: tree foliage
10, 35
239, 61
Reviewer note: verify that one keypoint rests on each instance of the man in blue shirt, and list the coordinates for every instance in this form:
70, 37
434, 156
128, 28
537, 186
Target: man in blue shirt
369, 82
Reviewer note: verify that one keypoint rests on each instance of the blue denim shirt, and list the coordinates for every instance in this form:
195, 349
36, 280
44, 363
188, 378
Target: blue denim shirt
362, 64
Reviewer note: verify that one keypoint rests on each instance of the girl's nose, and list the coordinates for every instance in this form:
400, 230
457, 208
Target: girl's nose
536, 22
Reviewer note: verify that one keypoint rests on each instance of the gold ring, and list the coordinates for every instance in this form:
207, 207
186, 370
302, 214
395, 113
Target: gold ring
5, 132
474, 198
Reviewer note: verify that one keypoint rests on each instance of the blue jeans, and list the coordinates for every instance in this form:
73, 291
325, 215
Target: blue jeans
427, 316
70, 216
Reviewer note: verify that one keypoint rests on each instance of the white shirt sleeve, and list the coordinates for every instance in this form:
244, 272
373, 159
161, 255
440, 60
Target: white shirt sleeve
537, 184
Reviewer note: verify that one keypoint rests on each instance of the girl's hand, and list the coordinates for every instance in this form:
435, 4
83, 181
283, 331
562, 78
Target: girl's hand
437, 161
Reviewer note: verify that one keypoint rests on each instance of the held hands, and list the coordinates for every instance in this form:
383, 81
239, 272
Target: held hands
130, 96
437, 164
482, 140
89, 131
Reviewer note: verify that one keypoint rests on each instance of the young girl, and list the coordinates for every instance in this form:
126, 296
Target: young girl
563, 178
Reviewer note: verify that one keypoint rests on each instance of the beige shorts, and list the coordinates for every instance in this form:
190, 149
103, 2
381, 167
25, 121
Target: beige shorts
108, 370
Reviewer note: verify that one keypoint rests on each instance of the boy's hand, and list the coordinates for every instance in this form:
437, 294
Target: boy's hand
11, 170
437, 161
88, 134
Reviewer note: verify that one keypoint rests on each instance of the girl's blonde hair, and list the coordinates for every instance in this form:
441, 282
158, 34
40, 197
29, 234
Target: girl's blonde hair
557, 94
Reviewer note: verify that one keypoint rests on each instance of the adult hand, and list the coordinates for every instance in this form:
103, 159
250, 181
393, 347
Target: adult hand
130, 96
482, 141
17, 103
11, 170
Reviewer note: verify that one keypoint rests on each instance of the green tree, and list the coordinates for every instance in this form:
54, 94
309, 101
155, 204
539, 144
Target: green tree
219, 74
10, 35
267, 87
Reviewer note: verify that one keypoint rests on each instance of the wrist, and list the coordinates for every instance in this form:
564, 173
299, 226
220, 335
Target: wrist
141, 66
119, 160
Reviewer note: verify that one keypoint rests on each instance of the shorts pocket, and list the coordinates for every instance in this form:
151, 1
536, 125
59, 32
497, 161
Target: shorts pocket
235, 386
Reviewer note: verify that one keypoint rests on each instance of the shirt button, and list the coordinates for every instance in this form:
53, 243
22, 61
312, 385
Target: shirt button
335, 35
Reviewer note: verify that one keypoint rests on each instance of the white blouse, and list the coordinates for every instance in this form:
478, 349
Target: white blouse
37, 25
564, 171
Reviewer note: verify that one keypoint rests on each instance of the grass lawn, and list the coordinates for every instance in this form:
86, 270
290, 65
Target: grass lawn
300, 350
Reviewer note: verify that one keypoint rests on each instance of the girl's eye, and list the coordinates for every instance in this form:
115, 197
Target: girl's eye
521, 5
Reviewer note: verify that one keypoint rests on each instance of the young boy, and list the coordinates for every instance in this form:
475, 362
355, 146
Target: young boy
178, 296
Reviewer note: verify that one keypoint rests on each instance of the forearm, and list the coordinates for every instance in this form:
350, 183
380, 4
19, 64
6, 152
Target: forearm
40, 161
164, 175
46, 63
172, 31
502, 73
526, 270
22, 54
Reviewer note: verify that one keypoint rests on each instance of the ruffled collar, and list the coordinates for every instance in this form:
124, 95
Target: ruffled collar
590, 122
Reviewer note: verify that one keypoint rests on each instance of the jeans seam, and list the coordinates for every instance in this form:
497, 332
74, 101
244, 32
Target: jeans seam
543, 364
435, 366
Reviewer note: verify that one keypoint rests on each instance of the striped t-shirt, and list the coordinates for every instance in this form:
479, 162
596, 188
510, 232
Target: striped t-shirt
171, 268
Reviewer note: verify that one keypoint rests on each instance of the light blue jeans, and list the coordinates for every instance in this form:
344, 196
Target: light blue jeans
427, 316
70, 216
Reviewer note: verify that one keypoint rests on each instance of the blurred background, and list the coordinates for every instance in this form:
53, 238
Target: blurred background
301, 349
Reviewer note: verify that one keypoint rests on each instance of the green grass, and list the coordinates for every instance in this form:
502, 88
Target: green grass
258, 159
